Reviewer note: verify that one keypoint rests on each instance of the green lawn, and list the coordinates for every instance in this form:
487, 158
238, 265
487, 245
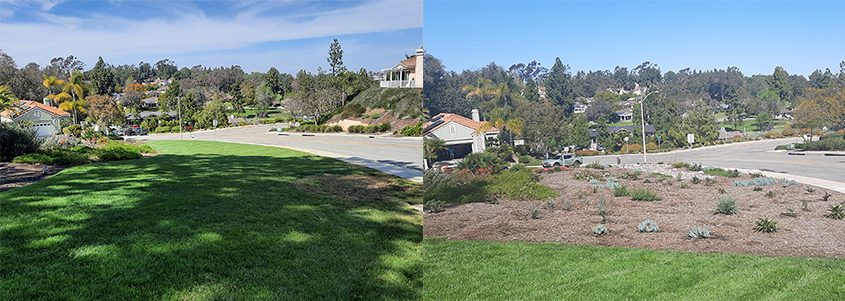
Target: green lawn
481, 270
212, 221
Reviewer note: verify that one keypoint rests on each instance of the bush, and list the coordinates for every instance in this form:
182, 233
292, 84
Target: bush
595, 165
773, 134
352, 110
680, 165
620, 190
765, 224
524, 159
587, 152
162, 129
535, 213
117, 151
726, 204
485, 162
434, 206
16, 140
722, 173
33, 159
699, 232
836, 211
643, 195
69, 157
73, 130
648, 226
414, 130
519, 184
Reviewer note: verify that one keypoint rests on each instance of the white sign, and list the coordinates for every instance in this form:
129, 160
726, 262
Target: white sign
214, 122
690, 138
519, 142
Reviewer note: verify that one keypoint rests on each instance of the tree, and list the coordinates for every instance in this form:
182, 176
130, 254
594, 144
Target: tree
559, 87
264, 97
822, 80
63, 67
780, 82
165, 69
214, 110
51, 82
335, 58
169, 100
74, 87
432, 147
145, 72
820, 108
600, 110
578, 132
543, 127
648, 74
102, 78
8, 100
237, 97
531, 91
274, 82
104, 110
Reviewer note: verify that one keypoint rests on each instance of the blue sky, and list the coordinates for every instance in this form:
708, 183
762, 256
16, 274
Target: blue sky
290, 35
755, 36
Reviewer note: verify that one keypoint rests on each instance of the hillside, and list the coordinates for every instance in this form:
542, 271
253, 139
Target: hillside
398, 107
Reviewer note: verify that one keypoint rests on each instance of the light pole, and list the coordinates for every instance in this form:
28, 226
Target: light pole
642, 120
179, 104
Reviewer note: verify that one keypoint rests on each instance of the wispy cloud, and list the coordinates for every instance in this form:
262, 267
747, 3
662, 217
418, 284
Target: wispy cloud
190, 30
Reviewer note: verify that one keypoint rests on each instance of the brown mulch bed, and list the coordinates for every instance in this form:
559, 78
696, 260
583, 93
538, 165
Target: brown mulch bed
14, 175
810, 233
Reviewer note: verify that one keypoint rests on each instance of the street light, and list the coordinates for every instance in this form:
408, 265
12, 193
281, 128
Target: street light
642, 119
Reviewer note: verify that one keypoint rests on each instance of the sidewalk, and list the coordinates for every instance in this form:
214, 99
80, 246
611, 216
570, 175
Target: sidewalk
816, 153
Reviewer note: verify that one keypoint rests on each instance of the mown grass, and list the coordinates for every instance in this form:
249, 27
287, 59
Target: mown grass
212, 221
484, 270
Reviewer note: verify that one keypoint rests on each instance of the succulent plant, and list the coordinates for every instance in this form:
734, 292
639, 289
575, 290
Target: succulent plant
535, 213
765, 224
699, 232
648, 226
600, 230
836, 211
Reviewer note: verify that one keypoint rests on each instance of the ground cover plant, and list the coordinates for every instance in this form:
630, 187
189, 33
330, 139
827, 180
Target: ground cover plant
472, 270
212, 221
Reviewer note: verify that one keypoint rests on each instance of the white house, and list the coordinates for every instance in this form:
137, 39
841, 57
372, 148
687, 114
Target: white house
625, 115
44, 118
579, 108
407, 74
461, 135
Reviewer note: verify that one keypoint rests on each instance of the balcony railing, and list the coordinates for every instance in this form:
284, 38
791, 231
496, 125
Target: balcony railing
397, 84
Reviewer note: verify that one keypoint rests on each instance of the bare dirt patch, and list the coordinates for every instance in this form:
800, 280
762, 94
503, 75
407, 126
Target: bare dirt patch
14, 175
354, 188
809, 233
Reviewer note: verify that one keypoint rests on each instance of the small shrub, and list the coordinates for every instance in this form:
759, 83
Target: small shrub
550, 205
586, 175
805, 206
758, 188
789, 213
726, 204
810, 189
566, 206
595, 165
695, 167
643, 195
836, 211
603, 210
680, 165
684, 185
16, 140
414, 130
699, 232
535, 213
696, 180
765, 224
723, 173
648, 226
631, 175
524, 159
33, 158
620, 190
434, 206
770, 194
710, 182
600, 230
826, 196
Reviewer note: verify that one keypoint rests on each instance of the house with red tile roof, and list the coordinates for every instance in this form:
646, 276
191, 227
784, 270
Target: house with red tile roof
461, 135
407, 74
45, 119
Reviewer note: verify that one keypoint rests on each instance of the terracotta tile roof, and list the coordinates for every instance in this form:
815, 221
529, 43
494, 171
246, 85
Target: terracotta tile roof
410, 62
28, 105
447, 117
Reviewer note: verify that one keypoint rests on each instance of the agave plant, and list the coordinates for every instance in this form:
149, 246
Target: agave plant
600, 230
699, 232
648, 226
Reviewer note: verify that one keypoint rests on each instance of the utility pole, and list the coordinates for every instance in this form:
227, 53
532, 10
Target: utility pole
642, 119
179, 104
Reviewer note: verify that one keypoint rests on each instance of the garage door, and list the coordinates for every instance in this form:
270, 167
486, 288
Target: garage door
44, 129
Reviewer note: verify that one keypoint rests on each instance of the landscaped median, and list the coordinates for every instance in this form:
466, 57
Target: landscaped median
212, 221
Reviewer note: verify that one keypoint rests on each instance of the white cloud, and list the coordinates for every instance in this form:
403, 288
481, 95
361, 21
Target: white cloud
192, 32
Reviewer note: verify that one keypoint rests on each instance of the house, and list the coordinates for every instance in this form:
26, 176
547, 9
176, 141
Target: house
150, 103
461, 135
579, 108
44, 118
542, 91
625, 115
407, 74
784, 114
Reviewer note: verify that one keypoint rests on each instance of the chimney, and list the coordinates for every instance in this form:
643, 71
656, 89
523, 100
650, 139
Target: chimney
47, 101
475, 115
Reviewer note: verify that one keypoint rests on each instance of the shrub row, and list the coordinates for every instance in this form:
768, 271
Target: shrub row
414, 130
311, 128
368, 129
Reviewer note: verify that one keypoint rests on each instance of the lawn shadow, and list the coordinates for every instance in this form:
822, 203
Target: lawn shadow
211, 226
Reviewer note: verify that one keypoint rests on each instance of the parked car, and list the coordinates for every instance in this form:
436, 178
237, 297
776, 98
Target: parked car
563, 160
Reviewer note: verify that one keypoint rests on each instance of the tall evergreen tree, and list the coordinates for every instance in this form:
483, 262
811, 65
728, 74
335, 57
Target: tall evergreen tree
559, 87
335, 58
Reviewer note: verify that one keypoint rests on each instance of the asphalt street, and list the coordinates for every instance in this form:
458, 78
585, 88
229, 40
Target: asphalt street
401, 156
756, 155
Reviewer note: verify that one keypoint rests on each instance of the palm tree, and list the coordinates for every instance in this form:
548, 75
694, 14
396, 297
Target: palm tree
50, 82
432, 146
8, 100
76, 89
497, 118
501, 94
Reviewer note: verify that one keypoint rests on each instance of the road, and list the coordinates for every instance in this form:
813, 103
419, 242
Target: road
401, 156
755, 155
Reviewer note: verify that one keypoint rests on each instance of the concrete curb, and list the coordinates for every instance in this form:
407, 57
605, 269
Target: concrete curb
680, 151
826, 184
814, 153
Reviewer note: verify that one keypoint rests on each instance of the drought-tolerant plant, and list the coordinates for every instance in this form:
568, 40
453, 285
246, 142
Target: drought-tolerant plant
647, 180
595, 165
586, 175
600, 230
725, 204
603, 210
770, 194
631, 175
810, 189
764, 181
695, 167
709, 181
684, 185
434, 206
733, 173
648, 226
699, 232
789, 213
696, 180
836, 211
550, 205
535, 213
620, 190
680, 165
721, 190
566, 205
758, 188
643, 195
804, 205
765, 224
826, 196
595, 189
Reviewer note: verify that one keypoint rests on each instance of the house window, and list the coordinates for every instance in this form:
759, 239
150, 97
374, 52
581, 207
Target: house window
452, 130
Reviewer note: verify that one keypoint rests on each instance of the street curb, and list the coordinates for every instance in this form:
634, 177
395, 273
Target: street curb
820, 154
826, 184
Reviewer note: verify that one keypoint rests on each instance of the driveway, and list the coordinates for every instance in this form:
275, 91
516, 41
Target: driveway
400, 156
754, 155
